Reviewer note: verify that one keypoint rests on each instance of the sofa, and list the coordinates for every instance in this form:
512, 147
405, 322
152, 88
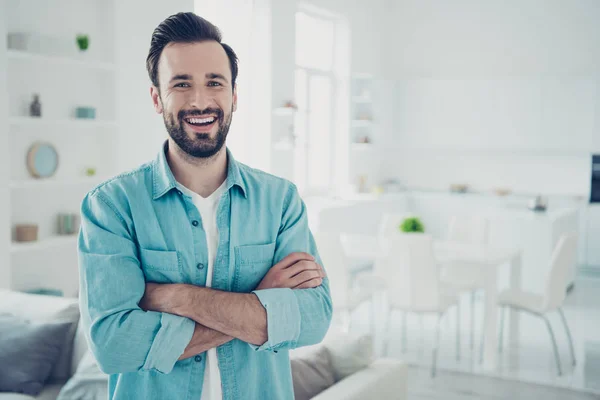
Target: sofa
357, 375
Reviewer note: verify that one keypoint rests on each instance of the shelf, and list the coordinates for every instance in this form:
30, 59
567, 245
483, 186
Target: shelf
50, 182
283, 145
361, 122
44, 244
75, 122
362, 76
361, 100
361, 146
42, 58
284, 111
491, 151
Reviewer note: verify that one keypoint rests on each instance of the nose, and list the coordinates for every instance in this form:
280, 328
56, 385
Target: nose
201, 99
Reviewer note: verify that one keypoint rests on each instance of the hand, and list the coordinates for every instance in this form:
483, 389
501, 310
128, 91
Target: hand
296, 271
159, 297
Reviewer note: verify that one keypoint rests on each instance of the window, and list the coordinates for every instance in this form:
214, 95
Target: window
319, 93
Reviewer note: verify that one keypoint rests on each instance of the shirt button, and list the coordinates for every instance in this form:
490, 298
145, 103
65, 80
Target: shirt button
195, 223
198, 358
200, 266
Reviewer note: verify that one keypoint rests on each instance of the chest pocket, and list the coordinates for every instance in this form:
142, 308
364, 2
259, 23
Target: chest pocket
251, 264
160, 266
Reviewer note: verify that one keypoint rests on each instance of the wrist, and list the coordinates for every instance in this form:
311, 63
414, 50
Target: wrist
180, 295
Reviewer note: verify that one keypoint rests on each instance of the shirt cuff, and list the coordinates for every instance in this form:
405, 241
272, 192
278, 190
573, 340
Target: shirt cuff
283, 317
173, 336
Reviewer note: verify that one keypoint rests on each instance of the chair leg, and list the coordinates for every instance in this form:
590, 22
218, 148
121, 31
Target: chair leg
564, 320
404, 328
373, 324
501, 335
458, 330
436, 344
386, 333
482, 342
556, 356
472, 345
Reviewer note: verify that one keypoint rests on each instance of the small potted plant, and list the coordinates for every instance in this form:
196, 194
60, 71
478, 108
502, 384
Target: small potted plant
83, 42
412, 225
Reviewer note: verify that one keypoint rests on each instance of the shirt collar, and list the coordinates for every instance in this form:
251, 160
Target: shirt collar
164, 181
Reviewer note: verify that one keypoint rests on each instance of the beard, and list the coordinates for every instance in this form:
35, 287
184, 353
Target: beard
200, 145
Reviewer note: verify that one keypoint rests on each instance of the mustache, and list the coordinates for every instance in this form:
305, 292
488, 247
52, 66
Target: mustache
200, 113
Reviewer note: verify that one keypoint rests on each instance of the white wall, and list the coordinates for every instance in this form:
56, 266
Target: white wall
4, 161
141, 129
494, 93
246, 27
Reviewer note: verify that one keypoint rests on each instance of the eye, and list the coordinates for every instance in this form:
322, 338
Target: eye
182, 84
214, 84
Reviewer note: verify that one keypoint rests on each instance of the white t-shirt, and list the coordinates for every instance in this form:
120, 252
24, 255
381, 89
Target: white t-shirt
211, 389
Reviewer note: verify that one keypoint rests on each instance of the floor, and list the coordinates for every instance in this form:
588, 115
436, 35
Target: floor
450, 385
532, 361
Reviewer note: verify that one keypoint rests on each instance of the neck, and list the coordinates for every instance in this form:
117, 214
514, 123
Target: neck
200, 175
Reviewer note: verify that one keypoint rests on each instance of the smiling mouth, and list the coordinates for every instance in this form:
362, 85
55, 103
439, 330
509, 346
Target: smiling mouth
195, 121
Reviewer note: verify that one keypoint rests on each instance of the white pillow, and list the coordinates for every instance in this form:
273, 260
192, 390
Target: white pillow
88, 383
350, 353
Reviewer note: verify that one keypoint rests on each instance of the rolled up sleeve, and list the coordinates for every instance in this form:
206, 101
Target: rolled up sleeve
169, 342
122, 336
299, 317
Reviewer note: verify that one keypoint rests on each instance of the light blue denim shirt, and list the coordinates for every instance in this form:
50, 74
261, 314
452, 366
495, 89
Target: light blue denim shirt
138, 227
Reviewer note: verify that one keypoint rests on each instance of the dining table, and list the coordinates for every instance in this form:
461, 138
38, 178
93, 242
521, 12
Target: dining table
363, 250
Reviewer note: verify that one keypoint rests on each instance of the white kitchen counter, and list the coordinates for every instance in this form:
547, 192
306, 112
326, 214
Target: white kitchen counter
512, 223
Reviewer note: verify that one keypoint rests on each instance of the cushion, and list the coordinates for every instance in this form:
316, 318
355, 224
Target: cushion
88, 382
49, 392
28, 352
349, 353
80, 348
40, 308
312, 374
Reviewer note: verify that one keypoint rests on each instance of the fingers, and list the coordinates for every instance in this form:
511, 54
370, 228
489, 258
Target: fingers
301, 266
313, 283
305, 276
293, 258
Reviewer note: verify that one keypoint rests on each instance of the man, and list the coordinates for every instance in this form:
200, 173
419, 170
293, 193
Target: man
198, 274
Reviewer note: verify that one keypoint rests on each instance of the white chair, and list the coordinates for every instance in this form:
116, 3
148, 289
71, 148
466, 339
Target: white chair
344, 298
564, 257
390, 224
412, 277
466, 277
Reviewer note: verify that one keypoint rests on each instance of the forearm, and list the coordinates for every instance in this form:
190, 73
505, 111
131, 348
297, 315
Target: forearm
133, 340
204, 339
239, 315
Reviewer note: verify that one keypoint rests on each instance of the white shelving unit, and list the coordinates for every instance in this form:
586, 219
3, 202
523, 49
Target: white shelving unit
61, 60
73, 122
65, 78
362, 131
52, 242
56, 183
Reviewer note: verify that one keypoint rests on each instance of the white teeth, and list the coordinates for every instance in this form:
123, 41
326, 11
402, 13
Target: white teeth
200, 120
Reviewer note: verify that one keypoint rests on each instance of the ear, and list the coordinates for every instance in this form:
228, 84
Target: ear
235, 98
156, 102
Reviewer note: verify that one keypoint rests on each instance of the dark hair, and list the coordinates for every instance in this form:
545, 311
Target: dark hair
185, 28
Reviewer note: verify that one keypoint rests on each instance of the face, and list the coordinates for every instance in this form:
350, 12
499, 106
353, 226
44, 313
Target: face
195, 97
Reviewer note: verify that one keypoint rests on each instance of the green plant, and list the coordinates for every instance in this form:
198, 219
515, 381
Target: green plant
83, 41
412, 224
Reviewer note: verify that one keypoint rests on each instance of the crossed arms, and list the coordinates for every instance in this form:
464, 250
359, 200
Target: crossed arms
133, 326
222, 316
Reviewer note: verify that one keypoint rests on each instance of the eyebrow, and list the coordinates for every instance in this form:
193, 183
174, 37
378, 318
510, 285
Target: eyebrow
181, 77
213, 75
